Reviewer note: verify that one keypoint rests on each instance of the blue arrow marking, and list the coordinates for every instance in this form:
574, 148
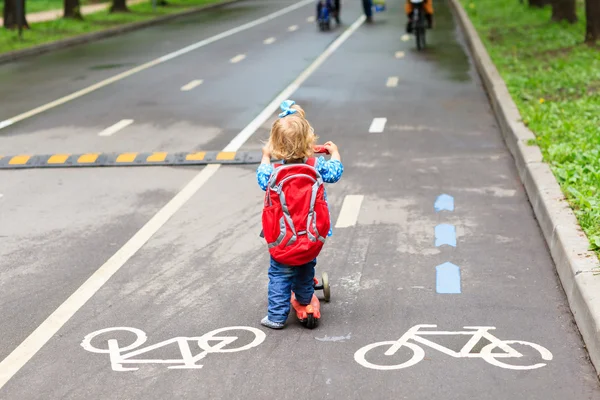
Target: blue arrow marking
444, 202
445, 234
447, 278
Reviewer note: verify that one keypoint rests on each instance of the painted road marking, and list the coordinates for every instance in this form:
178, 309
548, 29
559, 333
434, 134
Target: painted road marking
349, 212
399, 54
311, 19
392, 81
378, 125
111, 130
405, 38
191, 85
444, 202
445, 234
58, 158
293, 28
270, 40
211, 342
165, 58
447, 278
47, 329
88, 158
237, 58
491, 353
19, 160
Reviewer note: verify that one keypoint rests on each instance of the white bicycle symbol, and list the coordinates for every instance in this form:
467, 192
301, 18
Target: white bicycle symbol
477, 333
187, 361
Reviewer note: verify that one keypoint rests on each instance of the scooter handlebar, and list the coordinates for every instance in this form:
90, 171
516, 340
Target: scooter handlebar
320, 149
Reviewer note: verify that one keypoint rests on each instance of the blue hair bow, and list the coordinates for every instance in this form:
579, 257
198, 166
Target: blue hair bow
285, 108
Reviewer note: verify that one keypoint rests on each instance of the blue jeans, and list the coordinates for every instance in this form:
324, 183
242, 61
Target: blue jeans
283, 280
367, 7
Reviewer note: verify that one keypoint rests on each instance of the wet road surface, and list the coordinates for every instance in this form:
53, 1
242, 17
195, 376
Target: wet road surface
173, 253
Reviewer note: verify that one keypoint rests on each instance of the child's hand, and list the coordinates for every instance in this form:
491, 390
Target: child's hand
333, 150
266, 155
331, 147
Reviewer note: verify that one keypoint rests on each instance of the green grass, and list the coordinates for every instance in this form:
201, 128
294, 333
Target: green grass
45, 32
555, 81
32, 6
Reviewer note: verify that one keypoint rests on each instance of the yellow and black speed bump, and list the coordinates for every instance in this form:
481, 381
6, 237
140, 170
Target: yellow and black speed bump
128, 159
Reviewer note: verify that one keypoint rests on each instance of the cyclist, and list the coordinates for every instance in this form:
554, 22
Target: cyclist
409, 7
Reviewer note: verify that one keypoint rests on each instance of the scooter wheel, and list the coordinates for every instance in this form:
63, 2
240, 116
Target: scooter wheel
326, 288
311, 322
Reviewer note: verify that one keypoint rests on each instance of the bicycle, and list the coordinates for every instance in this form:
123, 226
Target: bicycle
210, 342
476, 332
418, 23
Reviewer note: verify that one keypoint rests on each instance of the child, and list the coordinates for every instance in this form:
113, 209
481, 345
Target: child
292, 140
428, 8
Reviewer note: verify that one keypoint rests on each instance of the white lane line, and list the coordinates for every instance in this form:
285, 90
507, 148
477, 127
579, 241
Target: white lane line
165, 58
405, 37
269, 40
191, 85
293, 28
237, 58
47, 329
311, 19
377, 125
392, 81
274, 106
350, 210
111, 130
399, 54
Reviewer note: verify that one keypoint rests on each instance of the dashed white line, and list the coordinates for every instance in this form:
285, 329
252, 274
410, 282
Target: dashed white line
191, 85
399, 54
270, 40
392, 81
405, 37
377, 125
310, 19
238, 58
170, 56
293, 28
349, 212
47, 329
111, 130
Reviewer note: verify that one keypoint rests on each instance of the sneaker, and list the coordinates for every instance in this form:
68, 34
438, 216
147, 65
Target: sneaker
270, 324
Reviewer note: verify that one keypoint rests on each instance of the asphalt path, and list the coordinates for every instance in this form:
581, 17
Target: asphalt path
173, 253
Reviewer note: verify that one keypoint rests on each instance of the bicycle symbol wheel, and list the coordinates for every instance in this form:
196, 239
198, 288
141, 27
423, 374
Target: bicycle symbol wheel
259, 337
139, 340
492, 358
417, 355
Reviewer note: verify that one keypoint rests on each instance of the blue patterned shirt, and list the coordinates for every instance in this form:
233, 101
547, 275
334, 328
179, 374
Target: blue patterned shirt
331, 171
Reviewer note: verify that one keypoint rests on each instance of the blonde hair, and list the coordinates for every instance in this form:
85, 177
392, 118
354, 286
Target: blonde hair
292, 137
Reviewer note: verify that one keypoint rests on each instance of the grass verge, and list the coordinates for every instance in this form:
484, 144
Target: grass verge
45, 32
33, 6
555, 81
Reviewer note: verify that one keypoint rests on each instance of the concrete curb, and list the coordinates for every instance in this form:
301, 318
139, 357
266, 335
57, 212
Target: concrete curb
568, 244
89, 37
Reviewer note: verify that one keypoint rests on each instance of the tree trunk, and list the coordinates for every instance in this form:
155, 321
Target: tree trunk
72, 9
592, 12
10, 14
564, 10
119, 6
539, 3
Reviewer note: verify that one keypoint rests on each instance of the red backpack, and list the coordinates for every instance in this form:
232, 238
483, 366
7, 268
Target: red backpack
295, 216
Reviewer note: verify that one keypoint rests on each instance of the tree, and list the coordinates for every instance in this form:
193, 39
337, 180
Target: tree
119, 6
72, 9
539, 3
564, 10
592, 12
11, 18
